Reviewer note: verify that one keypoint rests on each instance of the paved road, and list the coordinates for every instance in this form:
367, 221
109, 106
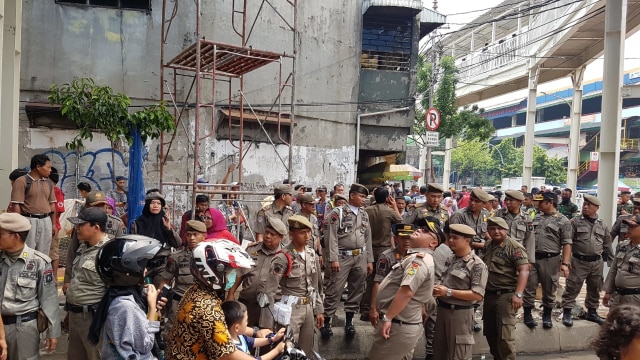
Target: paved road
581, 355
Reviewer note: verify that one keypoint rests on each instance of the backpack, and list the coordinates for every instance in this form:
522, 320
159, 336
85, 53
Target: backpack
29, 180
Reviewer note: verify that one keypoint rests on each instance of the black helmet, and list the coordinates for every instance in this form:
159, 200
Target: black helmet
121, 261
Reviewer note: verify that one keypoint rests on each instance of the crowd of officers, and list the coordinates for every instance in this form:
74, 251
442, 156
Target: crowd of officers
402, 264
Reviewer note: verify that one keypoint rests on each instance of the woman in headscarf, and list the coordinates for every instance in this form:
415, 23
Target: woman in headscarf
217, 226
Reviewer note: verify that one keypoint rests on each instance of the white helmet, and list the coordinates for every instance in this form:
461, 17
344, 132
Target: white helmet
212, 260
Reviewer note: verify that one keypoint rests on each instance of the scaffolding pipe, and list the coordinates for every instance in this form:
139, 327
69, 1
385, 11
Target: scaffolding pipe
196, 131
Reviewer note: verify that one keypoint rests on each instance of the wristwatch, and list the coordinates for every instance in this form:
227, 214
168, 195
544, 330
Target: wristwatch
449, 291
519, 295
385, 318
565, 264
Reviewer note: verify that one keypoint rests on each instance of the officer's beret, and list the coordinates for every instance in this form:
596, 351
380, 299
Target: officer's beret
14, 222
282, 189
538, 197
480, 194
491, 197
321, 188
498, 221
462, 229
306, 199
299, 222
277, 225
195, 225
592, 199
90, 214
403, 229
341, 196
632, 220
433, 187
359, 188
515, 194
95, 197
550, 196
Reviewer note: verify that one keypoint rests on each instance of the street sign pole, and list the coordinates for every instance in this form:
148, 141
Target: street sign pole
432, 123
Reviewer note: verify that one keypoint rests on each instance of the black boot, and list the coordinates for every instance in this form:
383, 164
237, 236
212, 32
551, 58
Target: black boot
592, 315
528, 318
567, 319
326, 331
349, 329
546, 318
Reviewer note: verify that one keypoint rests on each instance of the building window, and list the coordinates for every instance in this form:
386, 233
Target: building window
116, 4
386, 43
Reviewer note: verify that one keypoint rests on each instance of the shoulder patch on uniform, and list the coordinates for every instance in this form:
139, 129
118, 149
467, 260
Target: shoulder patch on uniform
48, 276
334, 218
518, 255
413, 268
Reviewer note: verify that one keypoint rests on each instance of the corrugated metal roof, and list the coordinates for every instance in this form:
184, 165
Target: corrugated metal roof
411, 4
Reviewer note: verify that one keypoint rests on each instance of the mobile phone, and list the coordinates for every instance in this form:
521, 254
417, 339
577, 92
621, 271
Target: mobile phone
166, 292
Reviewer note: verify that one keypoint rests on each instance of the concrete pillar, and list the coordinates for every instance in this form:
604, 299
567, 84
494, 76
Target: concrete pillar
10, 37
446, 173
514, 120
527, 166
614, 35
574, 134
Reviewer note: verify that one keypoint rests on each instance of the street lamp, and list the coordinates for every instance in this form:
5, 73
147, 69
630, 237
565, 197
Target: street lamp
499, 153
559, 98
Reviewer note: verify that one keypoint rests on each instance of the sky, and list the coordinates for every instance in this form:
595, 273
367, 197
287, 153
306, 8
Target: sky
464, 11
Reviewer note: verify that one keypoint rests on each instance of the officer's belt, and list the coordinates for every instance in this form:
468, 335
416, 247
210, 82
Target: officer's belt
302, 300
12, 319
36, 216
80, 308
622, 291
544, 255
400, 322
499, 291
353, 252
587, 258
446, 305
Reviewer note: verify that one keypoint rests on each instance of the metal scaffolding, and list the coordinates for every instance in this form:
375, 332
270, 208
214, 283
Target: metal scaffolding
213, 63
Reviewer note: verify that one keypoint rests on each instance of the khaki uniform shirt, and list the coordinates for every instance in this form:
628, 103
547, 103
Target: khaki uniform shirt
271, 210
552, 231
625, 271
299, 278
381, 217
39, 198
115, 227
464, 216
589, 238
348, 231
28, 284
440, 256
416, 271
520, 230
439, 213
385, 262
254, 280
315, 232
502, 262
178, 271
86, 287
464, 273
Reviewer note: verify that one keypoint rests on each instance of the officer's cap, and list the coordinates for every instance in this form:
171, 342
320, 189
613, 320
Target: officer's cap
282, 189
498, 221
195, 225
299, 222
592, 199
340, 196
538, 197
359, 188
95, 197
306, 199
462, 230
403, 229
277, 225
90, 214
480, 194
515, 194
433, 187
550, 196
14, 223
322, 188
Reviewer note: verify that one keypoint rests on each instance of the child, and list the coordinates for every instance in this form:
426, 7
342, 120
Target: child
235, 315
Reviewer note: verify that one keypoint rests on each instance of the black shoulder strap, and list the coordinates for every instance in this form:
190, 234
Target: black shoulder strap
29, 181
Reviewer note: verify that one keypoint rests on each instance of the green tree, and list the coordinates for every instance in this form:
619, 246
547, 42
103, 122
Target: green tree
472, 159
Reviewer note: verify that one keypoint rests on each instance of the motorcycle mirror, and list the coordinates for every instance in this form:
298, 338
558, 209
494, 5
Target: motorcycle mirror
263, 300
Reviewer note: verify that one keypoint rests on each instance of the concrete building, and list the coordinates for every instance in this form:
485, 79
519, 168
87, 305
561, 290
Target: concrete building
352, 58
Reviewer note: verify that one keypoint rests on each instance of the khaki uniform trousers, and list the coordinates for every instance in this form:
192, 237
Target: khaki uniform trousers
622, 299
546, 272
353, 269
499, 325
302, 325
453, 334
581, 271
23, 340
365, 303
79, 346
402, 341
430, 331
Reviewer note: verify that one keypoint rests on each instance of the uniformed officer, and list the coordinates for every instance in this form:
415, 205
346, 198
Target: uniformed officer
520, 223
307, 209
591, 241
463, 283
623, 279
254, 280
348, 241
28, 284
620, 228
382, 215
297, 271
474, 216
508, 267
566, 206
432, 207
386, 261
553, 234
401, 297
624, 205
86, 288
177, 273
280, 208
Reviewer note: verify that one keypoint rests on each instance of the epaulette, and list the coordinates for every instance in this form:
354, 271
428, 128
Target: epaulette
421, 254
45, 257
267, 207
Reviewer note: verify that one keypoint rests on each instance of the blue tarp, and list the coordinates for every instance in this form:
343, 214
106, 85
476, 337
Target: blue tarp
135, 197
